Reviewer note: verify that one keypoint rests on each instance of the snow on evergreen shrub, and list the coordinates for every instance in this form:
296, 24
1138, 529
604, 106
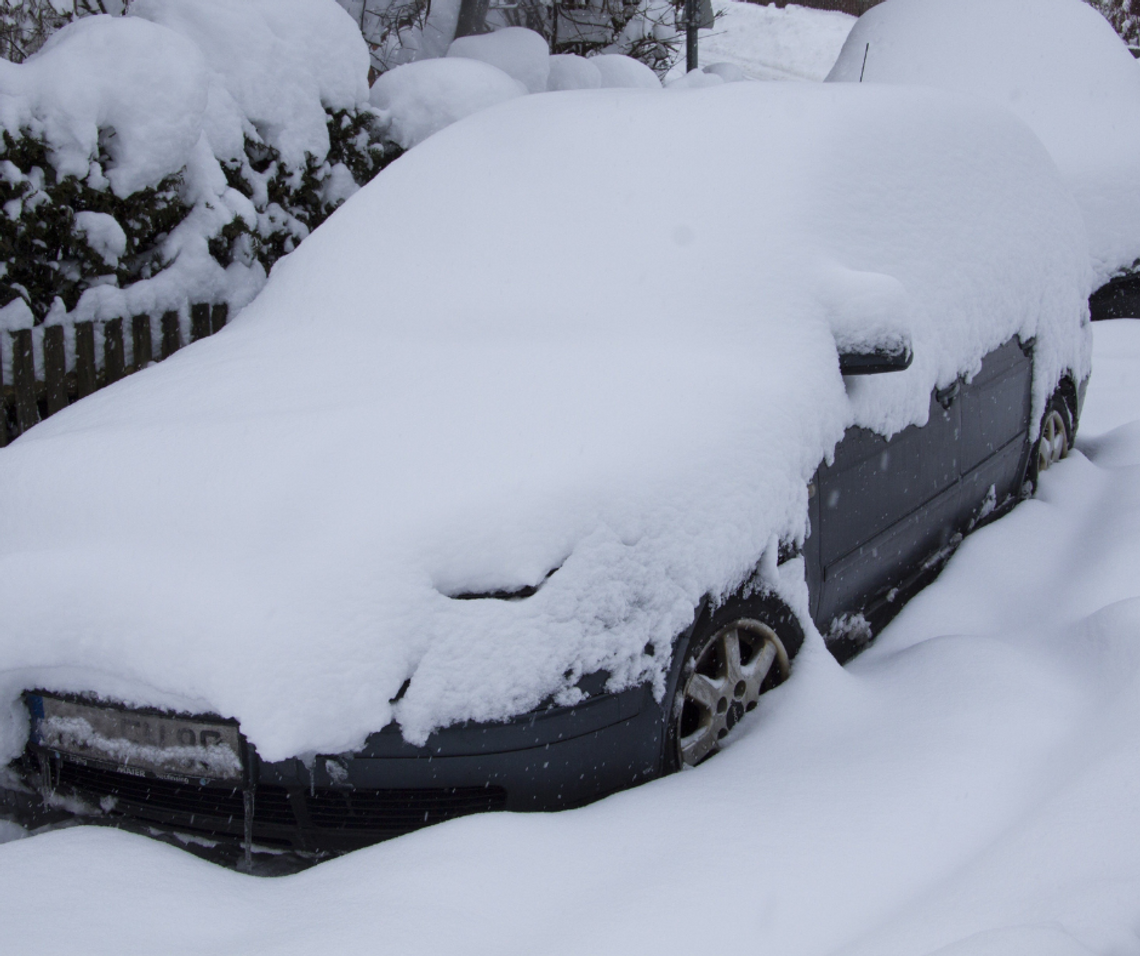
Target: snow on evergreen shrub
173, 155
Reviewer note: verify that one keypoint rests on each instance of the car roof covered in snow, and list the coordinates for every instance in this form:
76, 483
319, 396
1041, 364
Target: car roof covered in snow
592, 331
1061, 68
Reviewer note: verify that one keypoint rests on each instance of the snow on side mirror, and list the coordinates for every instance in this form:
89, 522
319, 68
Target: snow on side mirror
891, 356
870, 316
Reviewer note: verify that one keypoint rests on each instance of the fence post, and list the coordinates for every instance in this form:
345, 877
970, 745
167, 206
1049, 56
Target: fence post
140, 335
55, 369
171, 334
199, 321
218, 316
113, 363
84, 358
24, 379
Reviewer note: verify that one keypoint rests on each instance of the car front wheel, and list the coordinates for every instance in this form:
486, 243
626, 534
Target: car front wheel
744, 650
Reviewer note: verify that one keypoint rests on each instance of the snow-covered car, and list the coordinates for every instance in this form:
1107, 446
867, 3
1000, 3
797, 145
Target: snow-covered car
537, 464
1063, 70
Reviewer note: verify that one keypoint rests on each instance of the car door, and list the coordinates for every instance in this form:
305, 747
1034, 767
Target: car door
880, 510
996, 406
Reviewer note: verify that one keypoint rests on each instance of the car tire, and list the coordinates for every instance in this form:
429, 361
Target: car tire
1054, 440
738, 652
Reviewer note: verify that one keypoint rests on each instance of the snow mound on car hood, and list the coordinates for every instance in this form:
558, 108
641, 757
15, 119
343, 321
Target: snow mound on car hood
590, 331
1058, 65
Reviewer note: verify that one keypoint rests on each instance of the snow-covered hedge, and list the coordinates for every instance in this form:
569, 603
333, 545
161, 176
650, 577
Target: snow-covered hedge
404, 31
420, 98
172, 155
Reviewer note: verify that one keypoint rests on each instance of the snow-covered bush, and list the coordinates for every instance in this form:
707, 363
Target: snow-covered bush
417, 99
62, 235
172, 155
402, 31
422, 98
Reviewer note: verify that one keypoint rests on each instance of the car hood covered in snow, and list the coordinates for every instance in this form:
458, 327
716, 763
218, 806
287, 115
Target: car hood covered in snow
592, 332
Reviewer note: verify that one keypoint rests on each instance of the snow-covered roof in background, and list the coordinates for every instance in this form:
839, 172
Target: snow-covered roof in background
1057, 64
590, 331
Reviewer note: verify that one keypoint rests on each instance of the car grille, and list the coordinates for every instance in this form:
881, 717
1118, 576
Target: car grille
398, 810
338, 819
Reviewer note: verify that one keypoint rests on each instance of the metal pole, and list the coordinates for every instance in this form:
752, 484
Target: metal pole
692, 15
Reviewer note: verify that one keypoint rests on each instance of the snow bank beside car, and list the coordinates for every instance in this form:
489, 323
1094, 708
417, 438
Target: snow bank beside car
631, 390
1058, 65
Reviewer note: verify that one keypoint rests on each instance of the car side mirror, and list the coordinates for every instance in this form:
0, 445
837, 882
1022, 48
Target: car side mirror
891, 356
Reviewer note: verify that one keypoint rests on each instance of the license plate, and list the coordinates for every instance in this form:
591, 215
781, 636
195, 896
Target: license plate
136, 742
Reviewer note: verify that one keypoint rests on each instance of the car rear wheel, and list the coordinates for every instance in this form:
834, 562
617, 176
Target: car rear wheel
1055, 439
744, 650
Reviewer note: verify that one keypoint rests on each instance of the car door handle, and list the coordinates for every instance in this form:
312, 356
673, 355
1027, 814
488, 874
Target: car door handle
946, 396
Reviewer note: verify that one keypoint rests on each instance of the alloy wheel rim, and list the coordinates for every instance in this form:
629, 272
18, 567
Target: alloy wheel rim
1054, 443
735, 666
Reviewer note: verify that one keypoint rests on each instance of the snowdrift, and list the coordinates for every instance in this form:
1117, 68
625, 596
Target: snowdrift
527, 345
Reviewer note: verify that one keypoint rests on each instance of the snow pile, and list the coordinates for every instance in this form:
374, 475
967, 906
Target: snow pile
1060, 67
208, 123
624, 71
520, 53
517, 357
422, 97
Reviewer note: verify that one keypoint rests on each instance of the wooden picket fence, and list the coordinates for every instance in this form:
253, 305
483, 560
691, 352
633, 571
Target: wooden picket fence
27, 399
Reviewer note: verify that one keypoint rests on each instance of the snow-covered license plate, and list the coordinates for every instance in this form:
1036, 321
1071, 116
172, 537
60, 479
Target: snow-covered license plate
136, 742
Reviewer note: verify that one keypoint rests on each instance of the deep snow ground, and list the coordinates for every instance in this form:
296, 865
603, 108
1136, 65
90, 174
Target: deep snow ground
969, 786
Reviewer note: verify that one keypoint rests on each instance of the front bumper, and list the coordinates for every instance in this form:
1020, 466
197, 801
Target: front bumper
549, 760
